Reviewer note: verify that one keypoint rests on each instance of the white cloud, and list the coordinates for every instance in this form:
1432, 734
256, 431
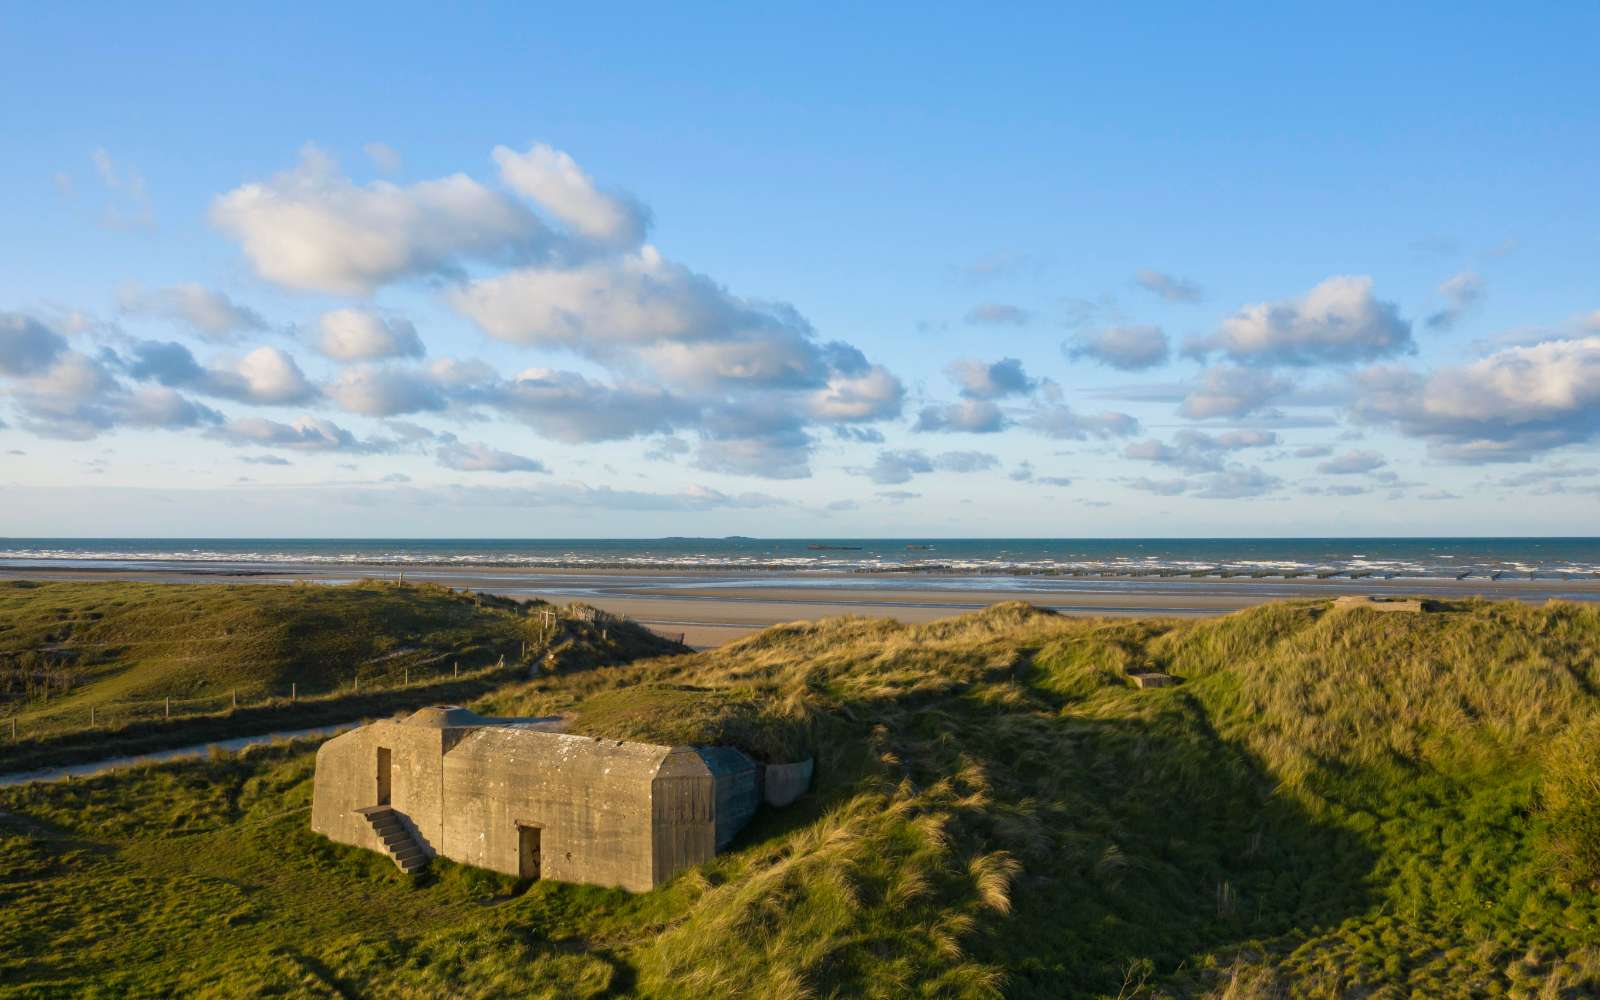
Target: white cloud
997, 314
1227, 391
27, 346
1052, 417
478, 457
311, 229
1353, 463
386, 392
970, 416
1338, 321
562, 188
1196, 451
604, 306
1336, 490
364, 335
873, 395
893, 467
211, 314
77, 398
383, 156
1167, 287
1507, 407
571, 408
680, 351
128, 204
1129, 348
305, 434
579, 496
1233, 483
999, 380
265, 375
1460, 293
781, 455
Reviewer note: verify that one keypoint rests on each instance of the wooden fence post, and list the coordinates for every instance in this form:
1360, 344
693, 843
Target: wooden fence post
358, 683
408, 677
169, 706
458, 668
235, 697
294, 691
91, 716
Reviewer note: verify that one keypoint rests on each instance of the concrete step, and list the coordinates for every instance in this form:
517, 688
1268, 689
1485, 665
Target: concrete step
397, 840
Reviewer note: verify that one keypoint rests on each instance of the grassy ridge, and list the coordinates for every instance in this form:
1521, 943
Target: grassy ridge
1330, 804
113, 642
348, 650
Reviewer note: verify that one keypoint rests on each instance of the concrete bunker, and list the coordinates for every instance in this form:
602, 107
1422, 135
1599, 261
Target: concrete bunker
517, 797
1377, 602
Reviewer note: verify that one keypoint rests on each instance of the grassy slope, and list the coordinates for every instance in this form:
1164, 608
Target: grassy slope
1334, 804
108, 644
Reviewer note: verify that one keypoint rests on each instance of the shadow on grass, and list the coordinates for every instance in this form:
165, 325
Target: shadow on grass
1145, 838
85, 745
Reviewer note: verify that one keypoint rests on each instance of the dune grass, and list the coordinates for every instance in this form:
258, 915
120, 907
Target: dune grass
344, 651
1329, 804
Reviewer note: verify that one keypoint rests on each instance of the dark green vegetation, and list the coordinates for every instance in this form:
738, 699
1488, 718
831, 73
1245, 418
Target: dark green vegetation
346, 652
1330, 804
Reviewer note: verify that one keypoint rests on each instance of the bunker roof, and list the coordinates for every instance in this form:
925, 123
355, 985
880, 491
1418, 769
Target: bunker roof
445, 717
539, 741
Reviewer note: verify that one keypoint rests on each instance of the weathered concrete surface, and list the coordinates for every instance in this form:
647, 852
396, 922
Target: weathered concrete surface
1401, 605
605, 812
738, 790
783, 783
1151, 679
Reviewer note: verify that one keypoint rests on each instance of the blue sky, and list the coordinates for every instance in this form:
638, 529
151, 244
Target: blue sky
503, 271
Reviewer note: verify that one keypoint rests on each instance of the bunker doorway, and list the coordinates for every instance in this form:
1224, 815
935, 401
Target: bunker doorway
528, 851
384, 768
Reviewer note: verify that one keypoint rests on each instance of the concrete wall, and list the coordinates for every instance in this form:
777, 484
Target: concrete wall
591, 801
683, 805
783, 783
609, 812
347, 780
738, 790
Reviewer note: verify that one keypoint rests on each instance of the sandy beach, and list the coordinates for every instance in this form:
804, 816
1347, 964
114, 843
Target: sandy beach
710, 608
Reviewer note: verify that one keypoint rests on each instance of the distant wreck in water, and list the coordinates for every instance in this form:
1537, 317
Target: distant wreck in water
516, 797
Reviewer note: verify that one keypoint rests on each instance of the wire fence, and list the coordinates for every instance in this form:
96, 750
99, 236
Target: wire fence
34, 716
108, 715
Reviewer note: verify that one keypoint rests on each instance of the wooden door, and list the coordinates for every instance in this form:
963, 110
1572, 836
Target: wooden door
385, 765
528, 851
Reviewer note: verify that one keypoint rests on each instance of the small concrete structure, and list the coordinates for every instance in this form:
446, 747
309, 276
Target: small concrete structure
512, 796
781, 784
1400, 605
1151, 679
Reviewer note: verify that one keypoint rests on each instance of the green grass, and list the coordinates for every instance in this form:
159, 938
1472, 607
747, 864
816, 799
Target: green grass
1328, 805
348, 651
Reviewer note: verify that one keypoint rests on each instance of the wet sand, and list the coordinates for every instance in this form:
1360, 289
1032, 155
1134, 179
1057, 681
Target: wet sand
713, 607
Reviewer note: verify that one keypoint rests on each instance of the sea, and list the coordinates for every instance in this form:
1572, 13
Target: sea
1378, 558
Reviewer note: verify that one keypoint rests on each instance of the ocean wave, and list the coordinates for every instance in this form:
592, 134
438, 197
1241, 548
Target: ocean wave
998, 563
